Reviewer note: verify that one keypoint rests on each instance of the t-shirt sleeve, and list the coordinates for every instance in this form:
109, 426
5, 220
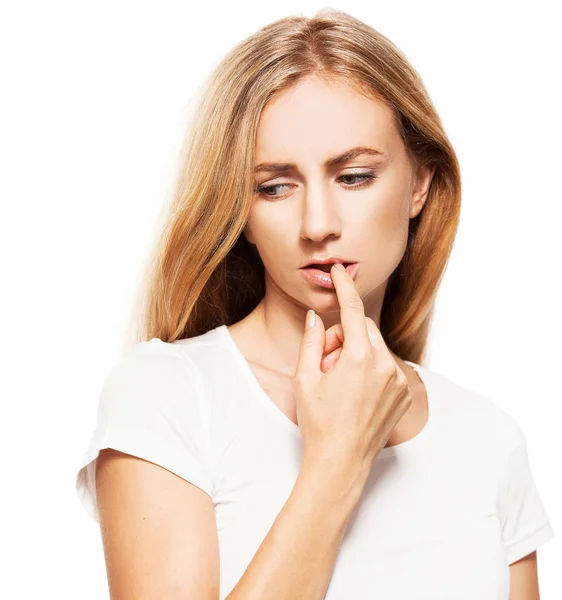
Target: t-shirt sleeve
151, 406
525, 523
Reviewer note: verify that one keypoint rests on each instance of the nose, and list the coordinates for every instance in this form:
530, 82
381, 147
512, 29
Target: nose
320, 218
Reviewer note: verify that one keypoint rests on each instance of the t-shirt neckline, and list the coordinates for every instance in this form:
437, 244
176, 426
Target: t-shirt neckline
404, 448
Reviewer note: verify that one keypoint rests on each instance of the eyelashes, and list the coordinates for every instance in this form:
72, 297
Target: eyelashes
365, 179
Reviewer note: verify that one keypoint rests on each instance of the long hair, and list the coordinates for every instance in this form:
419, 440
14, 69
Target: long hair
202, 271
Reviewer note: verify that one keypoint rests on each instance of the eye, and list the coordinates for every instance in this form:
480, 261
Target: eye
365, 179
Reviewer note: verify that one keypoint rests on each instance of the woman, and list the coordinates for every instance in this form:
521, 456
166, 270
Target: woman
238, 455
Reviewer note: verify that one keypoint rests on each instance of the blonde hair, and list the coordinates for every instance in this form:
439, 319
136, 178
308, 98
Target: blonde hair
202, 272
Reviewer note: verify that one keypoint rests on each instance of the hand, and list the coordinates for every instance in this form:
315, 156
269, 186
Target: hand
348, 412
332, 348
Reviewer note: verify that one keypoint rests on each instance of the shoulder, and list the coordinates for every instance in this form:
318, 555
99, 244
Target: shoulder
168, 370
472, 410
151, 363
188, 354
155, 382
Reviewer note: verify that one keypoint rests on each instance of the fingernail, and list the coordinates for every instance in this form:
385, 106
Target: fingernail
339, 267
310, 318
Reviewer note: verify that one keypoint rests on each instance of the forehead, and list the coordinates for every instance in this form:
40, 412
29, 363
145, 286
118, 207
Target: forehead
318, 118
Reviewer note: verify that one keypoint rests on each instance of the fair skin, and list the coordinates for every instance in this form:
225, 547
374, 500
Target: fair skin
315, 212
319, 211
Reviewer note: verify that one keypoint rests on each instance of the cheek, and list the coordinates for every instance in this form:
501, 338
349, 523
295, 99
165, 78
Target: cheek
270, 236
387, 221
381, 237
272, 223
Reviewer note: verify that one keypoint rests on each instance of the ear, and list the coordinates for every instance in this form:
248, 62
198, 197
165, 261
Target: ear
423, 178
248, 234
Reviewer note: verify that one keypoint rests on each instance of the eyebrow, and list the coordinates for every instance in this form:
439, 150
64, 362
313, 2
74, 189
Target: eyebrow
331, 162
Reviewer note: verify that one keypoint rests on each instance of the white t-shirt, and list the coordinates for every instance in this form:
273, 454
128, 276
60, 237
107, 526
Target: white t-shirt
441, 516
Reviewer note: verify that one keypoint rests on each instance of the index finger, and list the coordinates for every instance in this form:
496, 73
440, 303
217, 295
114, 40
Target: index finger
352, 311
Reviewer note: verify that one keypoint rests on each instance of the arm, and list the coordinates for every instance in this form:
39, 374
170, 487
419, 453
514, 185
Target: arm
158, 532
297, 557
524, 581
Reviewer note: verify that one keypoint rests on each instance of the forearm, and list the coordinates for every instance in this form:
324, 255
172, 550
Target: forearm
297, 557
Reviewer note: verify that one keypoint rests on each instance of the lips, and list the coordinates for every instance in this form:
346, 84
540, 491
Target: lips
323, 277
324, 267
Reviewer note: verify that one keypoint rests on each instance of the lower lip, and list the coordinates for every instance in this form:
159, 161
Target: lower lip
324, 279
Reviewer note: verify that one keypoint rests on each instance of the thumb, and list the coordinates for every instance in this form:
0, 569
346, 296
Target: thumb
311, 349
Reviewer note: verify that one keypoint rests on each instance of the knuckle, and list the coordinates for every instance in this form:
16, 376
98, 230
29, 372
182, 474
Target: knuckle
354, 303
401, 379
387, 370
369, 355
308, 342
360, 356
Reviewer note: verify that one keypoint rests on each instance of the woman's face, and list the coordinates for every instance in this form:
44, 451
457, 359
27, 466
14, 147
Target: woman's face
359, 210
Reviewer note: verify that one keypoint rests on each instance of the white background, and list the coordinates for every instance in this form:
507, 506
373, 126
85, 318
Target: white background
93, 106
